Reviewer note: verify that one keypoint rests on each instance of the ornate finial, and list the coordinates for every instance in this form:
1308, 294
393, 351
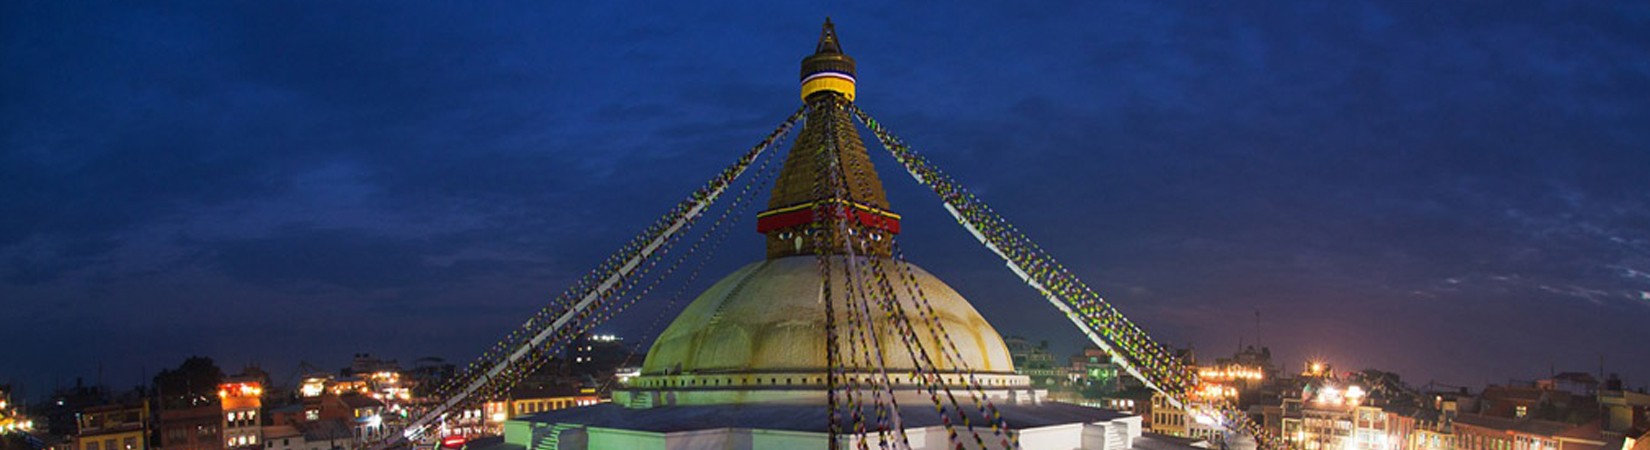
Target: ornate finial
828, 69
827, 39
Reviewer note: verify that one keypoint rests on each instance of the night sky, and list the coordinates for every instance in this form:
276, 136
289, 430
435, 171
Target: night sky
1457, 192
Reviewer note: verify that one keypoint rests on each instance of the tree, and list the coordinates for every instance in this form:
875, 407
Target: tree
195, 380
17, 441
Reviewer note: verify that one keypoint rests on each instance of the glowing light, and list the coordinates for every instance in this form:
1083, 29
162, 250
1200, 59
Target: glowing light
313, 387
1203, 418
1329, 394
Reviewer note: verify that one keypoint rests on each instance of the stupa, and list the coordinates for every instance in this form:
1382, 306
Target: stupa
747, 364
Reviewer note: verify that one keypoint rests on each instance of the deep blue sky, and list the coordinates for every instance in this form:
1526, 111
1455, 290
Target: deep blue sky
1454, 191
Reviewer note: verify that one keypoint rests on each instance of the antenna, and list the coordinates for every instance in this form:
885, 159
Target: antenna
1257, 327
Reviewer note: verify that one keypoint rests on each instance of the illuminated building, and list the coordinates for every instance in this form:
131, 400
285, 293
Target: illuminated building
528, 401
1318, 369
12, 419
1198, 419
1328, 415
349, 385
1094, 368
366, 413
118, 426
1422, 428
326, 406
1216, 384
242, 402
1481, 432
314, 385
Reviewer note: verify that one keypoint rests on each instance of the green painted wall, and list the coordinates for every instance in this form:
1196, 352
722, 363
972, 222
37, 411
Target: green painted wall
518, 432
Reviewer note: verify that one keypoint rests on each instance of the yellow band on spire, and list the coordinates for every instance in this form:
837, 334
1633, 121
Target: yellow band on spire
828, 81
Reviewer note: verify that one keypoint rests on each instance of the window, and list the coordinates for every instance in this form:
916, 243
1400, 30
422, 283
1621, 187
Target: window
129, 443
1521, 411
91, 445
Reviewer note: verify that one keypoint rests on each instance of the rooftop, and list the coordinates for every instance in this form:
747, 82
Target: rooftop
799, 417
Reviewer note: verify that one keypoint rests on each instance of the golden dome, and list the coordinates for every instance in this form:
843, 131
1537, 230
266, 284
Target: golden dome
768, 317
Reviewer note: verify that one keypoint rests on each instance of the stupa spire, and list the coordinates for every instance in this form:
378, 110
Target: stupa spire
828, 186
827, 39
828, 69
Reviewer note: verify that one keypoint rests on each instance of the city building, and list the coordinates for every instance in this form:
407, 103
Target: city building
1198, 418
1575, 383
1418, 428
1330, 415
115, 426
241, 401
524, 401
1483, 432
364, 364
318, 435
1624, 410
1036, 362
366, 413
196, 425
1093, 372
1217, 384
62, 413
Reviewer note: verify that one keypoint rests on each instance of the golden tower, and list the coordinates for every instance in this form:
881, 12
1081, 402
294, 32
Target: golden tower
812, 199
